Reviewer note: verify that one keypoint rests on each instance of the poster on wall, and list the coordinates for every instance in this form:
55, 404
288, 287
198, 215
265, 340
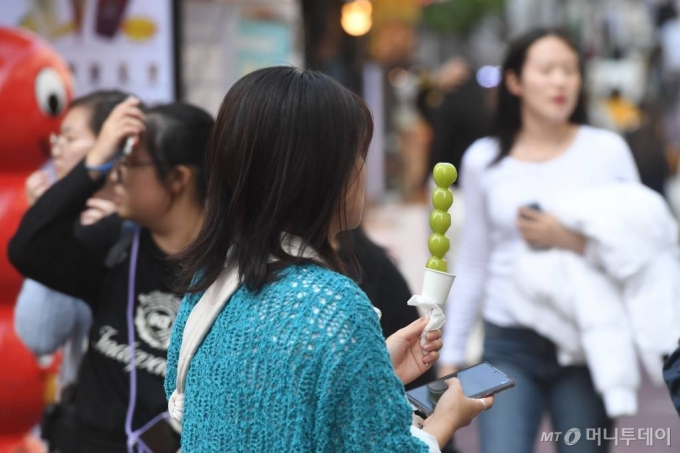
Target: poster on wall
123, 44
261, 44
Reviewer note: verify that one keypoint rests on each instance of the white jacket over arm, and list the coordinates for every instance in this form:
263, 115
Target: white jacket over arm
622, 297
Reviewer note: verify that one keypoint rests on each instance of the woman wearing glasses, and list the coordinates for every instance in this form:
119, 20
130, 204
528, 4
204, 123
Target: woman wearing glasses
126, 280
45, 319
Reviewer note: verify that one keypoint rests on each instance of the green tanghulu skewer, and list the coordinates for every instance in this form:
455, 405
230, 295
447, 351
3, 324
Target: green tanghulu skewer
440, 220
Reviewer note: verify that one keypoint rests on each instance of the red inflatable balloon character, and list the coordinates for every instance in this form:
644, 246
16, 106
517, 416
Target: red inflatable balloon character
35, 89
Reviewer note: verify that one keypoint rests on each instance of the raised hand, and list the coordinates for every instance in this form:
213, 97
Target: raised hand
126, 120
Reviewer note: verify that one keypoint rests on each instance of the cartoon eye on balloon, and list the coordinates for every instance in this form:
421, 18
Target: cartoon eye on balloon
50, 92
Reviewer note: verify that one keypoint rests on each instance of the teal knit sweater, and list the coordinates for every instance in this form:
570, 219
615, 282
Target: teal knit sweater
300, 366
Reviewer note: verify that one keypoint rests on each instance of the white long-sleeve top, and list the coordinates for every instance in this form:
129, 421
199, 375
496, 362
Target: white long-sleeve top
490, 239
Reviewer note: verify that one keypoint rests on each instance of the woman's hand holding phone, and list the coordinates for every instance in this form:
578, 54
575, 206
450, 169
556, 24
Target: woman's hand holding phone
126, 120
543, 231
454, 410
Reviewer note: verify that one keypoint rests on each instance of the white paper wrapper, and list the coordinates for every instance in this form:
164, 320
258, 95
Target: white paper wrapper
436, 287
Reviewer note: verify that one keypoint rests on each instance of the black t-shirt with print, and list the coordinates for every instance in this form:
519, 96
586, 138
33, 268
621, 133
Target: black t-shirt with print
45, 249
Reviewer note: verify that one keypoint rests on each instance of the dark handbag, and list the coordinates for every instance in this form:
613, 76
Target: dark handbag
59, 426
161, 438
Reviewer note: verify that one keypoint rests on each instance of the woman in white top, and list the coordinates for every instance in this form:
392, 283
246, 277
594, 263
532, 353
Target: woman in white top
541, 149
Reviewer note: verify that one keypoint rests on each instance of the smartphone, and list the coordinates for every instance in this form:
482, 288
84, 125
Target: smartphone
478, 381
129, 144
534, 206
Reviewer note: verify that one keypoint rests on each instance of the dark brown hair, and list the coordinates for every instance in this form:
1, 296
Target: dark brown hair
177, 134
280, 159
508, 120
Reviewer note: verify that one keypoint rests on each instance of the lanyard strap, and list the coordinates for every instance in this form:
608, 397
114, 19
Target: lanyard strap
133, 439
132, 436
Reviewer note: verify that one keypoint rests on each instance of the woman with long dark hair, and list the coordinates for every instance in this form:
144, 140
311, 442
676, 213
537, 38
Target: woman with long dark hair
541, 150
294, 359
125, 277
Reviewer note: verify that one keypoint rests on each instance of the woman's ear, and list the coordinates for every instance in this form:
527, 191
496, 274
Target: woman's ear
180, 179
513, 84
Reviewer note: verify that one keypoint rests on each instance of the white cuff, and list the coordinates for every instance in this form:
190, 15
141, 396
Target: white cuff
620, 401
427, 438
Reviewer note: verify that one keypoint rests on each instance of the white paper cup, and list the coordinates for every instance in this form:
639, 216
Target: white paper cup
436, 285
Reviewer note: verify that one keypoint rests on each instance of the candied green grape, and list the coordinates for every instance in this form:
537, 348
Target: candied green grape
444, 174
437, 264
440, 221
442, 199
438, 245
